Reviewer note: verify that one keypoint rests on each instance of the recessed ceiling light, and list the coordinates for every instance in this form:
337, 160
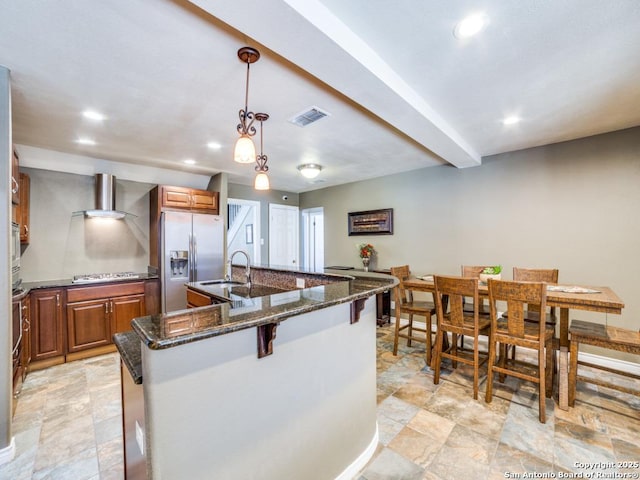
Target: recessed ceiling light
93, 115
512, 120
470, 26
86, 141
189, 161
214, 145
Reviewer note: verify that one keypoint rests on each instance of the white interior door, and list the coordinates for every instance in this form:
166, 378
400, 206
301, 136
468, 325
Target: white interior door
313, 239
284, 245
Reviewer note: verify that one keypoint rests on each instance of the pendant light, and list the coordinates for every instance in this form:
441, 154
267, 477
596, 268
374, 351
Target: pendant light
262, 179
244, 150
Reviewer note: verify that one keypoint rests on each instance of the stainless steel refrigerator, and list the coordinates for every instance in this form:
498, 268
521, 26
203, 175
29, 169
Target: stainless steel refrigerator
192, 251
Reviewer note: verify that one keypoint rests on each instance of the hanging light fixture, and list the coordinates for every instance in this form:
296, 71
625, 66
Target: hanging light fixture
262, 179
244, 150
310, 170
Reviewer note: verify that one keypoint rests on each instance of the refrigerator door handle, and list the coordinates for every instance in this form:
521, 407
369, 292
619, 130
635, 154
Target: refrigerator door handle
194, 244
190, 260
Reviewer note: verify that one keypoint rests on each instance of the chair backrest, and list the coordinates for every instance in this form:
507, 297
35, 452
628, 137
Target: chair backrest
472, 271
402, 273
455, 289
518, 296
548, 275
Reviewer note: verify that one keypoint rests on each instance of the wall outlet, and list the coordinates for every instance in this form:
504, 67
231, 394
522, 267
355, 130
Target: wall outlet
299, 282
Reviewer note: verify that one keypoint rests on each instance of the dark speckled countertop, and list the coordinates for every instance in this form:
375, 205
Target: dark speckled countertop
184, 326
242, 312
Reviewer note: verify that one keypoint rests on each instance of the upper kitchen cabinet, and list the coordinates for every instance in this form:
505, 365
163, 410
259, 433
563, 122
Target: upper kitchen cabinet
15, 181
190, 199
22, 209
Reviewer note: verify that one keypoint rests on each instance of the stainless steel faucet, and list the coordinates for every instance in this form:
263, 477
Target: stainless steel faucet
247, 272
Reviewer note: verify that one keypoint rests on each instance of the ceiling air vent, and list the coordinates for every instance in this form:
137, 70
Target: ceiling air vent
310, 115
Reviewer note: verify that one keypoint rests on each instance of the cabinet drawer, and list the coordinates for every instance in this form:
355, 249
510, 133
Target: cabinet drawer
196, 299
80, 294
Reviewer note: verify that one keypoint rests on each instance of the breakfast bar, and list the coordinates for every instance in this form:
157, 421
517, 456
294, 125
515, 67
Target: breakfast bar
281, 385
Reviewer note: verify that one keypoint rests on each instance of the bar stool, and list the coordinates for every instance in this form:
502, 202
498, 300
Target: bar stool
404, 303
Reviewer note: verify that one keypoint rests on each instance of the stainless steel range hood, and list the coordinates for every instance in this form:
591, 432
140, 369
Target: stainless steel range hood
105, 199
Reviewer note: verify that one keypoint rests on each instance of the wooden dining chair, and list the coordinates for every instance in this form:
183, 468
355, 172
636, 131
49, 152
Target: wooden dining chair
514, 330
474, 271
457, 321
532, 314
405, 304
537, 275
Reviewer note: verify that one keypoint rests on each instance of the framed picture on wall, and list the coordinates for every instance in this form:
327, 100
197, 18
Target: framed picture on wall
371, 222
249, 233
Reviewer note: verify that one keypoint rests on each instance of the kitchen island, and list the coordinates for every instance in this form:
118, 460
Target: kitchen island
213, 392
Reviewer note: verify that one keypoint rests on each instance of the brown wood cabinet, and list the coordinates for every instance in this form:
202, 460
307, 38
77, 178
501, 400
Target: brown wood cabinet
26, 335
197, 299
22, 209
15, 180
95, 313
47, 323
88, 325
184, 198
21, 345
165, 197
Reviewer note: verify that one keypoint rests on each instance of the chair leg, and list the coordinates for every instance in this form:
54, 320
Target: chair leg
410, 329
504, 348
454, 349
437, 357
548, 369
541, 385
476, 367
397, 332
490, 362
428, 335
573, 371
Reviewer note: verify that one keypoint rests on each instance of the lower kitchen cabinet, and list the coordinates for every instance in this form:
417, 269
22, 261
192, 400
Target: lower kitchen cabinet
94, 314
47, 326
88, 325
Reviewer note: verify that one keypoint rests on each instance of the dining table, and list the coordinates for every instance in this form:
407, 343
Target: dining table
563, 296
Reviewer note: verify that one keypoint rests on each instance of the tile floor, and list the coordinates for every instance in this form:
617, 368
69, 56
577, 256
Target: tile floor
67, 425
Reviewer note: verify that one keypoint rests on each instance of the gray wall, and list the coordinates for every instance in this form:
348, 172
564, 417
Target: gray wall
572, 206
63, 245
266, 197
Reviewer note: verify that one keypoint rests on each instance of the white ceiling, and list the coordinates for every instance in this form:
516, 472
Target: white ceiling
402, 91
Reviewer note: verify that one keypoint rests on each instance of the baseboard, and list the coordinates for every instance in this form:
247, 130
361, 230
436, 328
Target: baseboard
359, 463
599, 360
7, 453
608, 362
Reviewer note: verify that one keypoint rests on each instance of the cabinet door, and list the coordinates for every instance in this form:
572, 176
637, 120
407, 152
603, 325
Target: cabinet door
176, 197
88, 325
15, 181
47, 338
125, 309
204, 200
26, 336
22, 215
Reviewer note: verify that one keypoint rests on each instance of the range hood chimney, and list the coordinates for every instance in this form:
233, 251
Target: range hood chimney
105, 199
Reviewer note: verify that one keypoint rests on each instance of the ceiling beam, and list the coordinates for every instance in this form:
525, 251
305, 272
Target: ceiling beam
327, 49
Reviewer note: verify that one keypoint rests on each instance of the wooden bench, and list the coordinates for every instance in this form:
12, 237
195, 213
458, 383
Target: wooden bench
614, 338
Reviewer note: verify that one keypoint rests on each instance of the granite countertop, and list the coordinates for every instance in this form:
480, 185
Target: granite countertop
26, 287
129, 347
185, 326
